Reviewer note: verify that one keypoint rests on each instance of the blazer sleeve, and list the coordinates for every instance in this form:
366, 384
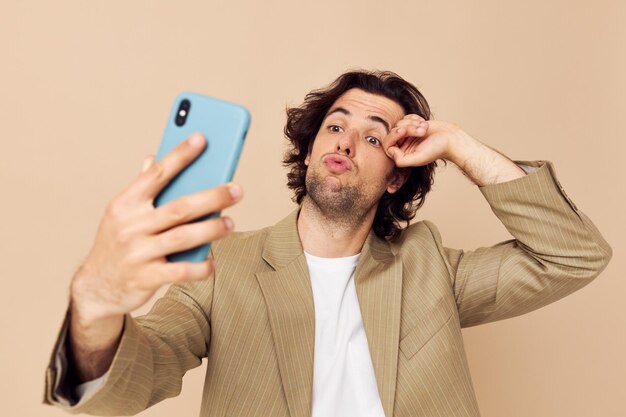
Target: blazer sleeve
555, 251
154, 353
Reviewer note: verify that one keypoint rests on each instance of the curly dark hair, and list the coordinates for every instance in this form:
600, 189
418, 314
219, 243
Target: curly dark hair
304, 122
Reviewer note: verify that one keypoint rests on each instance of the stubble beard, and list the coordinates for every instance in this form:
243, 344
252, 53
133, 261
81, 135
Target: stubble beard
344, 205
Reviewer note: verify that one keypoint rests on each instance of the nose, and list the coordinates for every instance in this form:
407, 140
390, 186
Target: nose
346, 144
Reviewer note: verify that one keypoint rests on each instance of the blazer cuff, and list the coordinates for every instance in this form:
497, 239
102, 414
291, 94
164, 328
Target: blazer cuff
59, 390
541, 176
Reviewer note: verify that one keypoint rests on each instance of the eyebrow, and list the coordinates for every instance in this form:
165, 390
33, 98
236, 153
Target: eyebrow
347, 113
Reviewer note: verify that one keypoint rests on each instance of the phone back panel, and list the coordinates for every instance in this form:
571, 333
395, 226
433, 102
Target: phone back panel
224, 125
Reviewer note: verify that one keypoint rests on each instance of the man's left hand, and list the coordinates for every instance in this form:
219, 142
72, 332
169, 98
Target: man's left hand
415, 142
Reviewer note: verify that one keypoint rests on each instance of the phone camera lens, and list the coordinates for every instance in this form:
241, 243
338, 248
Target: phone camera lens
182, 112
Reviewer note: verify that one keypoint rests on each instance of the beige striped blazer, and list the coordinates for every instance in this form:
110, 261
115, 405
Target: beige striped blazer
254, 319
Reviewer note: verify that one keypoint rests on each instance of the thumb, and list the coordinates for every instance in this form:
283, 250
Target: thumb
393, 152
147, 162
403, 159
396, 154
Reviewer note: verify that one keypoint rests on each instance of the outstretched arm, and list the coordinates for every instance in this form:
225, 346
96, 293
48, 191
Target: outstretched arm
125, 267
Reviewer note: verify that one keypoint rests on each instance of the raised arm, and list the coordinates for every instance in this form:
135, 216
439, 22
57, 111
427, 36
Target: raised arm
556, 249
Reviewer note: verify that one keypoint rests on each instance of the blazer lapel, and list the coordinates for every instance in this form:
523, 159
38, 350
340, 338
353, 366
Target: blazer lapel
289, 299
378, 280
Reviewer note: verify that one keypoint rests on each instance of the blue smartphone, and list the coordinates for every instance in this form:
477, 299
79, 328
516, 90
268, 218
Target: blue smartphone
224, 126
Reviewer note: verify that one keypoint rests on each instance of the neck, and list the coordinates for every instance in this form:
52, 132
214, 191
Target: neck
330, 237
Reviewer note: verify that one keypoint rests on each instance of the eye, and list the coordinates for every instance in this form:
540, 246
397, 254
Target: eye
335, 128
373, 140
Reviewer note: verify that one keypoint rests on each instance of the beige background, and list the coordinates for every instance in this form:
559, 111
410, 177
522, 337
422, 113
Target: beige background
87, 86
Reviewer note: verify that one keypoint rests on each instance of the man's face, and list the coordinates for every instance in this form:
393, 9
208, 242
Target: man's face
348, 169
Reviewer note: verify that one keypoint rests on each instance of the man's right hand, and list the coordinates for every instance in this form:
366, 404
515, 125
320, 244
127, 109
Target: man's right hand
127, 263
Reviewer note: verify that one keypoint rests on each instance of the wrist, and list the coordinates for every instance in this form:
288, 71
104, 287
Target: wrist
92, 346
463, 149
480, 163
94, 334
93, 321
86, 308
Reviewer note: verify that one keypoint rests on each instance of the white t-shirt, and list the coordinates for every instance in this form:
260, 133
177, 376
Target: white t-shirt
344, 383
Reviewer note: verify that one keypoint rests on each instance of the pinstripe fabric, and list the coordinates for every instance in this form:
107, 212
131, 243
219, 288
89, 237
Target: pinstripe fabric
254, 319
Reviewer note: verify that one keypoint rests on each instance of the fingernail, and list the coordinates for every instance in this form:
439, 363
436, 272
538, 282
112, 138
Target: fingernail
234, 190
228, 223
196, 140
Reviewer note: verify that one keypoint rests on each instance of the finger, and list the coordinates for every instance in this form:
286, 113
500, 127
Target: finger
414, 117
414, 126
406, 123
149, 160
190, 207
396, 134
402, 138
161, 172
397, 155
172, 272
404, 159
421, 129
186, 237
411, 118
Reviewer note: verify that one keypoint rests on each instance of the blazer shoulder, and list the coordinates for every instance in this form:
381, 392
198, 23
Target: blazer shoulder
240, 242
419, 237
419, 232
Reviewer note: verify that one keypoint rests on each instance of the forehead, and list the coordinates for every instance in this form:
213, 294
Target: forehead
364, 104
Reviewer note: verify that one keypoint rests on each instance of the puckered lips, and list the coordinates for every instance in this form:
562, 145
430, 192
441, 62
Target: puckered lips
338, 164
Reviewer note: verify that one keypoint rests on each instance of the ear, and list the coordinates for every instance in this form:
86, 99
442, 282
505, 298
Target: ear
399, 177
307, 159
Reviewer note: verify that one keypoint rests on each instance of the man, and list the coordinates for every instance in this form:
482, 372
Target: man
337, 309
